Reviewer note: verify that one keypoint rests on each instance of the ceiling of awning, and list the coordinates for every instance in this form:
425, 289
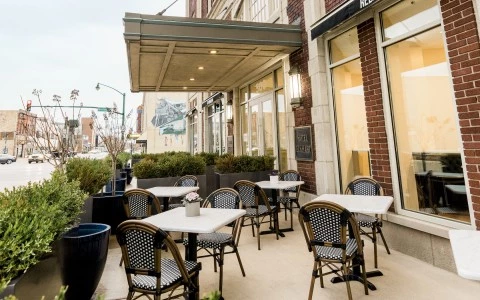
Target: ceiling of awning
166, 53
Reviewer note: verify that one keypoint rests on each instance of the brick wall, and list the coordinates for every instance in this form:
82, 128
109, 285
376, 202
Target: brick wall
303, 115
192, 9
377, 135
464, 56
204, 8
332, 4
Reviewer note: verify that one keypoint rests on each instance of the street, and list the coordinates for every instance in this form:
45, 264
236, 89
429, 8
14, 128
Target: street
21, 172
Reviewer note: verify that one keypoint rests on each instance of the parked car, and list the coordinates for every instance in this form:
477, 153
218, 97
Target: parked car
7, 159
93, 154
36, 157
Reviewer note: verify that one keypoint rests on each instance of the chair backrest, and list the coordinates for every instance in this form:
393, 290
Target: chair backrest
187, 180
138, 203
251, 194
226, 198
325, 224
364, 186
291, 175
141, 245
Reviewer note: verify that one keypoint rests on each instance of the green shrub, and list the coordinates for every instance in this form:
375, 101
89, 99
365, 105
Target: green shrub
137, 156
31, 218
123, 158
92, 174
244, 163
170, 164
209, 158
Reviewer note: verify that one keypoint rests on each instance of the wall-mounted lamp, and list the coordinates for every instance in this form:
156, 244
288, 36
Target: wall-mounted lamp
229, 111
295, 87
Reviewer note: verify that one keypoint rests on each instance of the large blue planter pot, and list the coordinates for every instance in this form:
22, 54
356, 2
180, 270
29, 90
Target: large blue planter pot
82, 256
108, 209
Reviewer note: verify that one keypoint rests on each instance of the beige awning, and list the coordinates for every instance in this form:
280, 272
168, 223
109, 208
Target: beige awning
167, 53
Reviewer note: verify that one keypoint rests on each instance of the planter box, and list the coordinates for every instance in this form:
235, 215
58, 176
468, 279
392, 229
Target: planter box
229, 179
42, 279
170, 181
107, 209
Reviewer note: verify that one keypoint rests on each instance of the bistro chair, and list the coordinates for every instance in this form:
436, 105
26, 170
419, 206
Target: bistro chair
187, 180
257, 206
148, 273
290, 194
215, 243
139, 204
324, 225
370, 187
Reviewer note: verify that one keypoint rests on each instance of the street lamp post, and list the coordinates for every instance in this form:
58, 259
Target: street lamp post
123, 100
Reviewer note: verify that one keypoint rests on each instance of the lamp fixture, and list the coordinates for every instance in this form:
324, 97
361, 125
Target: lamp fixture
192, 79
295, 87
213, 51
184, 87
200, 68
229, 111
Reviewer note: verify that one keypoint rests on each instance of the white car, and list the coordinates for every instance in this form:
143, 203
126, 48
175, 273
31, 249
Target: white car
36, 157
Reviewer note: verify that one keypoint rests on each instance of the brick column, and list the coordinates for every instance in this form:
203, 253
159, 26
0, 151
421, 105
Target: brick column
377, 135
464, 56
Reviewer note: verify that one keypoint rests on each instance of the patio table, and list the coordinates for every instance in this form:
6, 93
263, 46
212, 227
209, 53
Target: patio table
274, 186
465, 246
359, 204
165, 192
210, 220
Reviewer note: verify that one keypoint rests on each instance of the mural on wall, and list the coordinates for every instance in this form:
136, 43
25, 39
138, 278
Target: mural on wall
169, 117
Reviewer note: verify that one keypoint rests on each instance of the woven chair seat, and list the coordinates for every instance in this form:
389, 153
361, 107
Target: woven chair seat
170, 275
213, 240
262, 210
336, 253
368, 221
286, 200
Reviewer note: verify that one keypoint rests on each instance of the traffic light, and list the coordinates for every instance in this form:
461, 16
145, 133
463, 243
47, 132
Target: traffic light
29, 105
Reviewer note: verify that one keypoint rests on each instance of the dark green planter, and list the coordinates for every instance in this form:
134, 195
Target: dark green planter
108, 209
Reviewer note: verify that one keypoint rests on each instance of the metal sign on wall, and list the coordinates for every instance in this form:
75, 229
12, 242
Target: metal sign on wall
303, 143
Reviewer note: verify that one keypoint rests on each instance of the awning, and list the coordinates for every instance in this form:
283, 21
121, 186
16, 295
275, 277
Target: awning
212, 99
339, 15
174, 53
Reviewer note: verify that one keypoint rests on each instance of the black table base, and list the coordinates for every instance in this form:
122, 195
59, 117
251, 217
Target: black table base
355, 277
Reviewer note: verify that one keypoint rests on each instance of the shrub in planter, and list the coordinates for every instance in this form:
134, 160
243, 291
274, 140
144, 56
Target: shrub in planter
209, 158
92, 174
32, 217
169, 165
244, 163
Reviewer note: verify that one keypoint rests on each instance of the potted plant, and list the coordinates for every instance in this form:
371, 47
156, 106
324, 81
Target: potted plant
166, 168
274, 176
112, 134
192, 204
232, 168
32, 219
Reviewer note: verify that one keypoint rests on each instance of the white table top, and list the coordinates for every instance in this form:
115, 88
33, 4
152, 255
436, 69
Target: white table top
210, 219
280, 185
360, 203
172, 191
465, 247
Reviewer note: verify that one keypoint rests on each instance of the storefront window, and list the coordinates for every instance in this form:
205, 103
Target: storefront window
282, 131
261, 86
426, 127
193, 133
350, 113
216, 130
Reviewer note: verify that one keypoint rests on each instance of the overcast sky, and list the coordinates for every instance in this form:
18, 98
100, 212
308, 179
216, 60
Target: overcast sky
61, 45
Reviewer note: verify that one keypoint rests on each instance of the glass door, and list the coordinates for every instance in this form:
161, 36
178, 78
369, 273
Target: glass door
263, 132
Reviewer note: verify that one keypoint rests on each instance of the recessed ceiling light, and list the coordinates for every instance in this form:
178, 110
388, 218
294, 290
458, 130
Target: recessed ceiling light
200, 68
184, 87
213, 51
192, 79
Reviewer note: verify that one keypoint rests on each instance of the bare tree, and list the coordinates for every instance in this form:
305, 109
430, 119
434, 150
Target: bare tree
112, 133
51, 134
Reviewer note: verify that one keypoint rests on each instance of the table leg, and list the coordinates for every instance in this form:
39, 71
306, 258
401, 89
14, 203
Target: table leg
275, 218
165, 203
191, 255
356, 275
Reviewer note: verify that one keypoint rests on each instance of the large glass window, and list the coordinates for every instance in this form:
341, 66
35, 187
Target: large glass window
261, 10
350, 113
264, 124
424, 114
216, 131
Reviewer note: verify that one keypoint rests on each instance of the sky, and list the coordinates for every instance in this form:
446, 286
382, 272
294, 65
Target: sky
60, 45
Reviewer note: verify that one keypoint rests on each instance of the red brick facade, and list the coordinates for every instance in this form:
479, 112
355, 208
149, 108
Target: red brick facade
332, 4
303, 115
204, 8
377, 134
464, 56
